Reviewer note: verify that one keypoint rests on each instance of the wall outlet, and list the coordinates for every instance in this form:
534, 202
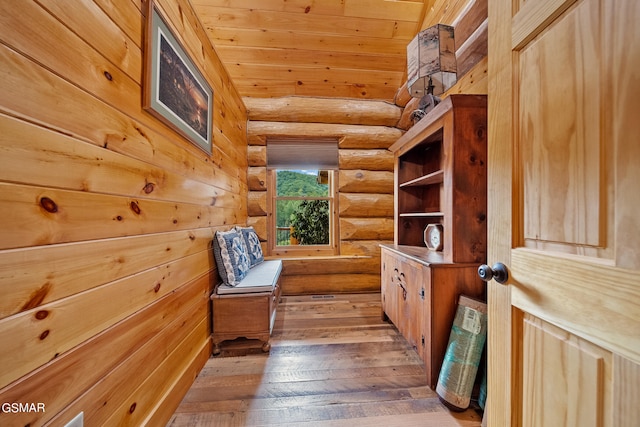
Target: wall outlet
77, 421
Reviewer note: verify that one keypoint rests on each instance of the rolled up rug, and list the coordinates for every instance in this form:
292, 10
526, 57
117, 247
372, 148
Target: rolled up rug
464, 351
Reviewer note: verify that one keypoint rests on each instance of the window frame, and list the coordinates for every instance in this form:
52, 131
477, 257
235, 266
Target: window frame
333, 248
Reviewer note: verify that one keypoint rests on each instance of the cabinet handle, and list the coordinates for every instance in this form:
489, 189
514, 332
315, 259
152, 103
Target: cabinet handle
404, 291
402, 283
395, 276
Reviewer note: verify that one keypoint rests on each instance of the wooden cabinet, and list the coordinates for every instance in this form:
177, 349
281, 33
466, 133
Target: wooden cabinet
440, 178
419, 296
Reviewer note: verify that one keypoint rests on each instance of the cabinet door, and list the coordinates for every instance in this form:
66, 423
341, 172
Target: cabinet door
389, 286
410, 303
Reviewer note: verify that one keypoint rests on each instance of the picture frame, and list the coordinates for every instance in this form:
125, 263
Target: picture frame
174, 89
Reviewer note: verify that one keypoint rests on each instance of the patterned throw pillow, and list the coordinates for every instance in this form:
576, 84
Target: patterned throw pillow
253, 245
232, 258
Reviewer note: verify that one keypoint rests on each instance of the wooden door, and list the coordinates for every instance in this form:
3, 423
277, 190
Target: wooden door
564, 212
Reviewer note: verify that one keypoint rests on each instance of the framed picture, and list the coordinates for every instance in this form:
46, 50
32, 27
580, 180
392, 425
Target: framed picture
174, 90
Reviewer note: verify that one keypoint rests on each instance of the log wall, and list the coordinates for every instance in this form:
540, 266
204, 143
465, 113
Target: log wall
107, 216
364, 129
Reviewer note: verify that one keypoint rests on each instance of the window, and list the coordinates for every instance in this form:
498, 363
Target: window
303, 198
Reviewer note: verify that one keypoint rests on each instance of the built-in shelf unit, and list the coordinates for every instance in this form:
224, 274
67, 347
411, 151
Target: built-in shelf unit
440, 177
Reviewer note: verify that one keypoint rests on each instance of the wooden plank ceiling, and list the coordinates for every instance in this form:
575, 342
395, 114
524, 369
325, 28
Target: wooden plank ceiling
332, 48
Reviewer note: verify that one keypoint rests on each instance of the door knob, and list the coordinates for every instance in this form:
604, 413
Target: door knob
498, 271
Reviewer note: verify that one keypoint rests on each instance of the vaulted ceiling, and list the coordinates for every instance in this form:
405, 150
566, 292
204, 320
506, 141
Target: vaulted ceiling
334, 48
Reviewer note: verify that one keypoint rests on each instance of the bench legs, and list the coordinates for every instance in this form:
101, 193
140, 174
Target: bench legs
217, 340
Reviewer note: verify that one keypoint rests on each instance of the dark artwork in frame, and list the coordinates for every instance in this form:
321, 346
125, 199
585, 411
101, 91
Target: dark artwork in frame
174, 90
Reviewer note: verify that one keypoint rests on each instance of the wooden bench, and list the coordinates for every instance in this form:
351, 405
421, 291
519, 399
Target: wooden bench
247, 310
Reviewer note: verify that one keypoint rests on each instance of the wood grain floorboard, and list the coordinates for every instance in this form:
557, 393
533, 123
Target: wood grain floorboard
333, 362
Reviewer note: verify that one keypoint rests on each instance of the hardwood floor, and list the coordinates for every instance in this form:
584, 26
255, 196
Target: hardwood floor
333, 362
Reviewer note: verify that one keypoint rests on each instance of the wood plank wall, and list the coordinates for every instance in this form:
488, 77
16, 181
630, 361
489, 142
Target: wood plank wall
107, 215
364, 129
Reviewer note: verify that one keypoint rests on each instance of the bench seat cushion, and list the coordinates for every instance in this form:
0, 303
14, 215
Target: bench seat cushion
261, 278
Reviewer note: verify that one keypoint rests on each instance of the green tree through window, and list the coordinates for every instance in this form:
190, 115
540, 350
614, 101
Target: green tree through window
310, 222
302, 208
